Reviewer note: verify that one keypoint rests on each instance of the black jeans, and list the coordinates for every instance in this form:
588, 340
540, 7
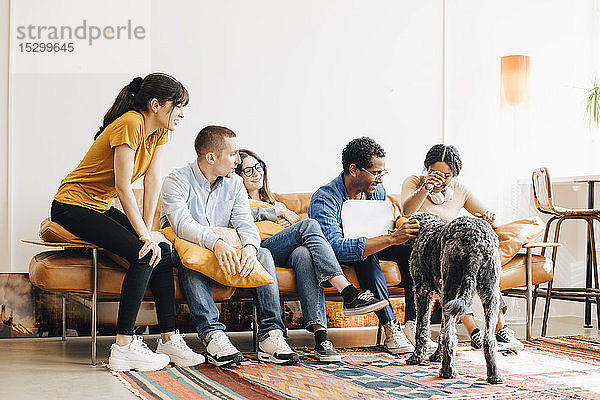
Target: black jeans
112, 231
370, 276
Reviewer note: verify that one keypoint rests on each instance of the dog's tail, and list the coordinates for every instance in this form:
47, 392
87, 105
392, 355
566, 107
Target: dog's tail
461, 304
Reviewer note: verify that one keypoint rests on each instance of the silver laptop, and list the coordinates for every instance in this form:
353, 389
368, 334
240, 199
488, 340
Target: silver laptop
367, 218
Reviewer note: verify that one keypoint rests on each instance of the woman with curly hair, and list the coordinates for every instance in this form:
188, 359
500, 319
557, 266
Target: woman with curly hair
439, 192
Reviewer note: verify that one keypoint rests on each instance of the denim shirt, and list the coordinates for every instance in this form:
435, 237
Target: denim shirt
326, 207
190, 206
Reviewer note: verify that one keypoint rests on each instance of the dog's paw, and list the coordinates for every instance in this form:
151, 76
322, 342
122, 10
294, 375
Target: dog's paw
448, 373
436, 356
414, 360
495, 380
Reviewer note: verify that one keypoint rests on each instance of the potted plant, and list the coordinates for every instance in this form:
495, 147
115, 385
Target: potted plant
592, 106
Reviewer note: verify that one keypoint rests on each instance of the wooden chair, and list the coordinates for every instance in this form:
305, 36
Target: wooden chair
542, 197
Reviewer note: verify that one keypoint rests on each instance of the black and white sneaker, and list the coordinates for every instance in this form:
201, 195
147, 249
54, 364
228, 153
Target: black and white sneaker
476, 339
327, 353
220, 351
364, 303
506, 340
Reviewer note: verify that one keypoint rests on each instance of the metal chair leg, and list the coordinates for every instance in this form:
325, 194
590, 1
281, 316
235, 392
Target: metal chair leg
534, 300
594, 266
529, 308
254, 328
94, 302
549, 291
64, 318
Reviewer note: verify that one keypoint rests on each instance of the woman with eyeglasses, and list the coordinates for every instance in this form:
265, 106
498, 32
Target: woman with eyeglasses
302, 246
440, 193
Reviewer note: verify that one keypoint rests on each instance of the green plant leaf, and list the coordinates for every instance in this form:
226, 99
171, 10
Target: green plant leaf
592, 106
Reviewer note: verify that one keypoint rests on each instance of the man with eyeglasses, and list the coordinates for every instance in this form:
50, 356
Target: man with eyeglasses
363, 161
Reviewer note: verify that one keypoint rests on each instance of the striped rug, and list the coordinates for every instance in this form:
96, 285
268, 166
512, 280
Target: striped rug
557, 368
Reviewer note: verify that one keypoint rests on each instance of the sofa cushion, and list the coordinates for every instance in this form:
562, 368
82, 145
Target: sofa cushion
287, 278
513, 272
296, 202
52, 232
200, 259
70, 271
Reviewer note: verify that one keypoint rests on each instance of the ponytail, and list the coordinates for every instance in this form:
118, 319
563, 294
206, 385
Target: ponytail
140, 92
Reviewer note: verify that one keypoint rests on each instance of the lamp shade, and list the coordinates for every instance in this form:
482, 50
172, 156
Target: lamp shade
514, 79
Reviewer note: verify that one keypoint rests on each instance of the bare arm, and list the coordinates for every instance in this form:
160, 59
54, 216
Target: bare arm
405, 232
123, 167
414, 195
475, 207
152, 184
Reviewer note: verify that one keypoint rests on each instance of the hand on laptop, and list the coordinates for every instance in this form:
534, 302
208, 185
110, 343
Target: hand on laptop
405, 232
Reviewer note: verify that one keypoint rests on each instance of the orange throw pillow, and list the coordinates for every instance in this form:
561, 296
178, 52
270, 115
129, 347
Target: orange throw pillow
515, 234
198, 258
266, 228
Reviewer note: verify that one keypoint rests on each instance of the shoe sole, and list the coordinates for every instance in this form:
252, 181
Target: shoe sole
124, 365
182, 362
236, 359
328, 359
366, 309
399, 350
266, 357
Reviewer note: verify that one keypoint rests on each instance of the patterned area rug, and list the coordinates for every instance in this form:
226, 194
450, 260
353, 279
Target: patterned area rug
557, 368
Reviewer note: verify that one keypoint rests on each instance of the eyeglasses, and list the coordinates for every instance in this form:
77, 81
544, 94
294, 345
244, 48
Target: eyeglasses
377, 175
248, 171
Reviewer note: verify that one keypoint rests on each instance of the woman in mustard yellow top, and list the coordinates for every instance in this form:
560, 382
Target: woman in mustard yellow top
129, 145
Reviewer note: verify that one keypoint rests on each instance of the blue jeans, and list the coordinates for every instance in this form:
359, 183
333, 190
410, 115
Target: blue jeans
205, 314
370, 276
303, 247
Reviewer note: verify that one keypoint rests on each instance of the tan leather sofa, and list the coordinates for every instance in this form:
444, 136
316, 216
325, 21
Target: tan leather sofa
70, 271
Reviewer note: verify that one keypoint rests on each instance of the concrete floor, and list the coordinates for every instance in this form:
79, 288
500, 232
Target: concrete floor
53, 369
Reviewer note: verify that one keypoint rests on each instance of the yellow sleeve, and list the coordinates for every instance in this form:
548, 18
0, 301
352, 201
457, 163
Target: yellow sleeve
163, 137
127, 129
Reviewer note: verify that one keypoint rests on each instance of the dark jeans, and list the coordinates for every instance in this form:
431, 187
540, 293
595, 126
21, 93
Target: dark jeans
112, 231
370, 276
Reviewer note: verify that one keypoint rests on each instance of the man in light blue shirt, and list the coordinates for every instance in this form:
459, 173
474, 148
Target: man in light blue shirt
207, 193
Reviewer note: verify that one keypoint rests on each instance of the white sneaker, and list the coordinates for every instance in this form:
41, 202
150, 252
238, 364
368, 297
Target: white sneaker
136, 355
220, 351
410, 330
273, 348
178, 351
395, 340
505, 338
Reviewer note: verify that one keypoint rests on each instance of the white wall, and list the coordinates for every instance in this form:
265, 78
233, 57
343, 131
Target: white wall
549, 129
295, 81
4, 79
